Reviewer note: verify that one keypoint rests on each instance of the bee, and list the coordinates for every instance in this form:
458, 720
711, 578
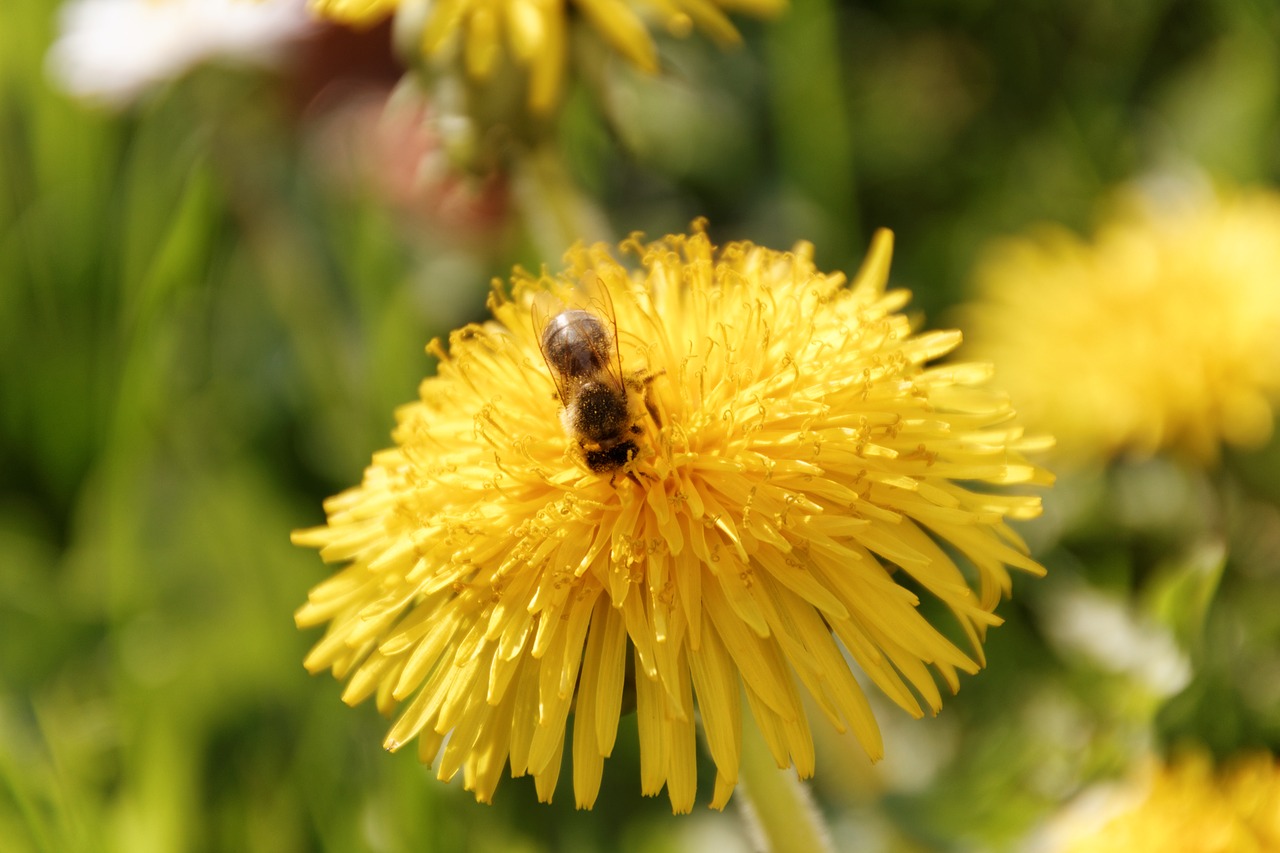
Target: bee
601, 408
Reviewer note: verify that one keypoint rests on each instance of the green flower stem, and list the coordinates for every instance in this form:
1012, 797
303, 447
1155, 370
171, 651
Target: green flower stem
812, 125
556, 213
781, 815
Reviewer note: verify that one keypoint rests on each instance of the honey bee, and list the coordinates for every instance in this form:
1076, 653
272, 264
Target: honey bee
601, 408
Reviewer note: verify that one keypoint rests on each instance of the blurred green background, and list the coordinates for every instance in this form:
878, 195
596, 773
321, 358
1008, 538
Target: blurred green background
208, 315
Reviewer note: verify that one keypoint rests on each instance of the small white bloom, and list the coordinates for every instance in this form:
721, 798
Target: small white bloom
1115, 637
112, 51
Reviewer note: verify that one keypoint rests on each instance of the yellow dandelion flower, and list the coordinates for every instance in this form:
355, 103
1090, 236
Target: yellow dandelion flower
1161, 333
796, 479
533, 33
1187, 806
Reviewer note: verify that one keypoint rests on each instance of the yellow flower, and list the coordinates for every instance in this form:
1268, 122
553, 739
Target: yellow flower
798, 479
1161, 333
1189, 807
533, 33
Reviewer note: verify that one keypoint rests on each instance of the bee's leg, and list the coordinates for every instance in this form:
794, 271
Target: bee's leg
648, 478
646, 384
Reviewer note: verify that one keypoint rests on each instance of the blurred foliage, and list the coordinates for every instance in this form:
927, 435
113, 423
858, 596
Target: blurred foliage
202, 335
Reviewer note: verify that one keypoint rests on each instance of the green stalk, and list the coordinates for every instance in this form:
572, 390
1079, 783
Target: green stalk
780, 814
811, 119
556, 213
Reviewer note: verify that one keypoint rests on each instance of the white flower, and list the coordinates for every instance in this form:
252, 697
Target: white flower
112, 51
1115, 637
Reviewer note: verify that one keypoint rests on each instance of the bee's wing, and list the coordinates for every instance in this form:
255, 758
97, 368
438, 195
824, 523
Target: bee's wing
542, 309
600, 302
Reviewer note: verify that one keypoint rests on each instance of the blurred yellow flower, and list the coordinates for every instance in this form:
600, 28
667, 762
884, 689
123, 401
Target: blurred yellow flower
796, 480
1189, 807
533, 33
1161, 333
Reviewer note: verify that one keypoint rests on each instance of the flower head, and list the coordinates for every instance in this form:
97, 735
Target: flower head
1161, 333
797, 478
532, 34
1187, 806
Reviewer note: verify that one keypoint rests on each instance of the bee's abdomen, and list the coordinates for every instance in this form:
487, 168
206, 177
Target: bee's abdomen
576, 344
